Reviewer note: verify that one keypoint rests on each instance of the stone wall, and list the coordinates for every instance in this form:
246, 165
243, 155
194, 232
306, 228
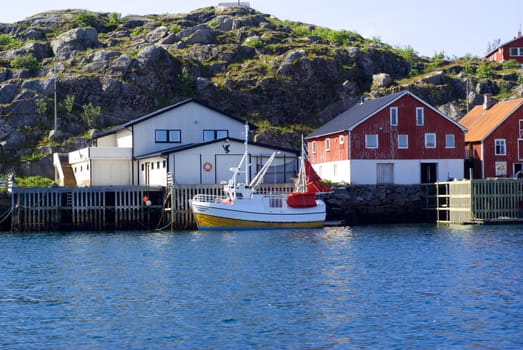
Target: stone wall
380, 204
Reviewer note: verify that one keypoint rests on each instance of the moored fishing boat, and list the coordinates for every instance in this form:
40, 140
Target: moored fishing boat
242, 207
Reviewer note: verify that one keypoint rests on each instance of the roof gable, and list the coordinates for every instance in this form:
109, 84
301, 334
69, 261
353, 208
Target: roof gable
508, 43
481, 123
161, 111
359, 113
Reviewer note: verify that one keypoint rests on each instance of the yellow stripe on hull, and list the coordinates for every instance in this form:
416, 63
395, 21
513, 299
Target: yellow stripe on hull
214, 222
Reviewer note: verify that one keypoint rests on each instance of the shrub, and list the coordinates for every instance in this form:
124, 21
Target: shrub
8, 42
484, 70
175, 28
137, 31
33, 181
25, 62
84, 18
91, 114
115, 18
511, 64
254, 42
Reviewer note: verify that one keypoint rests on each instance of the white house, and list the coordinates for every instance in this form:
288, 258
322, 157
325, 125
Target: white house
194, 143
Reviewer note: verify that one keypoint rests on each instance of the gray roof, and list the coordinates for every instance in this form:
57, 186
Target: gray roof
162, 110
356, 114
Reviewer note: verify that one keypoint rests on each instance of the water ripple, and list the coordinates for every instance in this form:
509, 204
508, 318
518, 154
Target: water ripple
405, 286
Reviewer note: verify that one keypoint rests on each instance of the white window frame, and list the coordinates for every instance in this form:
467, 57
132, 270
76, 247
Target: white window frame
393, 116
428, 136
500, 147
450, 141
327, 144
369, 138
501, 168
516, 51
313, 146
406, 138
420, 116
342, 139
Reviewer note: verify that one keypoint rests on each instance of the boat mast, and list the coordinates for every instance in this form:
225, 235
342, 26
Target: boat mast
246, 155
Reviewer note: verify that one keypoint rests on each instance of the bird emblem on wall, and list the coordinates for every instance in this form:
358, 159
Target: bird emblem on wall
226, 148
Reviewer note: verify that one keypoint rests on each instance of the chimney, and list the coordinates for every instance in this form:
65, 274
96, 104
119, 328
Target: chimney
487, 101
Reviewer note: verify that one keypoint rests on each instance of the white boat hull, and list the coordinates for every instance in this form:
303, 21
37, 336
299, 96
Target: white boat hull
258, 212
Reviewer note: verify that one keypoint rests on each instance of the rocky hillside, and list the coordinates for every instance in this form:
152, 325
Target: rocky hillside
286, 77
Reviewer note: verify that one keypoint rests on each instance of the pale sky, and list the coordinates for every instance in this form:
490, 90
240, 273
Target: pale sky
456, 27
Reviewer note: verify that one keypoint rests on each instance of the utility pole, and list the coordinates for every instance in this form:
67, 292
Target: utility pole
55, 103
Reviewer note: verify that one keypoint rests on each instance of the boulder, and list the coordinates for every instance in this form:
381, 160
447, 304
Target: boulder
8, 92
381, 80
79, 39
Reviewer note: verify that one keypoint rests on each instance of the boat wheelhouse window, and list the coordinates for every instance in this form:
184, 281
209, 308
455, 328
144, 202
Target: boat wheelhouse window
167, 136
209, 135
275, 202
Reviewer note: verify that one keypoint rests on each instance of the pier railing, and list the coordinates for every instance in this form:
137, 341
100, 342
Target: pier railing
478, 201
86, 208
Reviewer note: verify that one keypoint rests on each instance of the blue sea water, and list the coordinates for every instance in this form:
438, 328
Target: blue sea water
363, 287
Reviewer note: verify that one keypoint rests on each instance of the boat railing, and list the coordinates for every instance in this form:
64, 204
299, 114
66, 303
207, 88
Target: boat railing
209, 198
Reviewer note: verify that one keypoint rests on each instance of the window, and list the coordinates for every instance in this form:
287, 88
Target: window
327, 144
313, 146
167, 136
516, 51
450, 141
393, 116
430, 140
209, 135
420, 116
500, 147
501, 168
342, 139
403, 141
371, 141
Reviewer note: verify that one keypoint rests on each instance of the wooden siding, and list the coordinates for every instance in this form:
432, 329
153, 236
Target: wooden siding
388, 135
509, 130
502, 53
388, 149
191, 119
338, 150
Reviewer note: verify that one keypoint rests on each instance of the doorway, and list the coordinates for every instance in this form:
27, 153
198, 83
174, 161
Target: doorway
429, 172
